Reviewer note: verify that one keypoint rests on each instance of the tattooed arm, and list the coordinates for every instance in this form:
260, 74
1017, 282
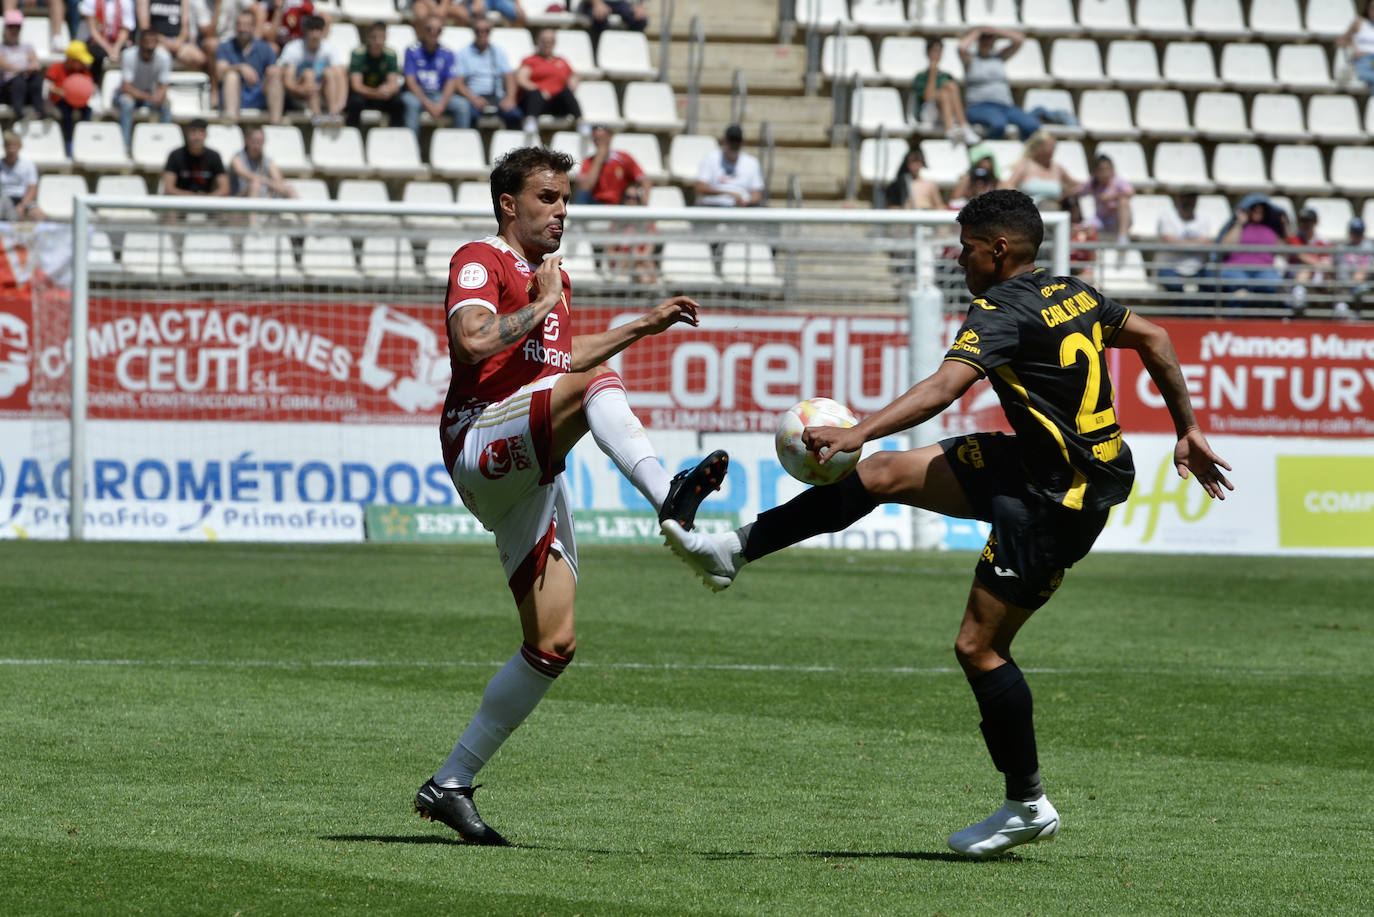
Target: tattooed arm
476, 333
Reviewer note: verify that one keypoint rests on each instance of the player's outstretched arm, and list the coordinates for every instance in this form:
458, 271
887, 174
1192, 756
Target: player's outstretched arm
589, 350
1192, 454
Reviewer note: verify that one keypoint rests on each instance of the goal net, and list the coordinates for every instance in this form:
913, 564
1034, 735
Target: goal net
274, 370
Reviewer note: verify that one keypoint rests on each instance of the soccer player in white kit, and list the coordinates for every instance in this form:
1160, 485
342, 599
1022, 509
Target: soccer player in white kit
524, 391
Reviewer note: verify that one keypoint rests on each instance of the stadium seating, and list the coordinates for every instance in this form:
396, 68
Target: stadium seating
1304, 68
1328, 19
150, 253
1333, 216
749, 264
941, 17
646, 151
98, 146
266, 255
623, 55
685, 153
1277, 116
879, 160
843, 57
823, 13
1221, 116
1276, 20
945, 161
283, 142
1052, 17
1106, 113
1163, 19
575, 46
1190, 65
338, 151
345, 37
879, 16
1053, 100
1129, 159
1239, 167
325, 257
1000, 13
517, 44
1132, 64
1352, 168
386, 258
226, 140
1219, 20
599, 103
1071, 155
457, 153
369, 11
1334, 119
1077, 62
901, 57
151, 145
1163, 113
1026, 67
580, 262
208, 253
362, 191
688, 264
393, 152
55, 194
1247, 67
1180, 165
879, 107
651, 107
1146, 211
42, 145
1107, 18
431, 194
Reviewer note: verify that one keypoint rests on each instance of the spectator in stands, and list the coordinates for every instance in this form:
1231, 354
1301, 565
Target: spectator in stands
1306, 268
56, 11
1037, 174
313, 74
18, 184
459, 12
908, 190
374, 79
1257, 222
1112, 198
1359, 38
729, 177
431, 73
195, 168
1186, 228
21, 78
219, 19
78, 60
608, 174
252, 173
1353, 268
286, 21
510, 11
977, 180
486, 80
172, 20
548, 83
937, 96
107, 27
987, 93
146, 68
248, 73
634, 15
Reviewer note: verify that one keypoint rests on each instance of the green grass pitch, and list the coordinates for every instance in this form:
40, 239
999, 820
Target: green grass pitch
227, 729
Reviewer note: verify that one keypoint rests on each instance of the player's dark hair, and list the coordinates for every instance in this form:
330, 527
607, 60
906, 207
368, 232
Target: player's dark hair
512, 170
1005, 212
312, 22
376, 26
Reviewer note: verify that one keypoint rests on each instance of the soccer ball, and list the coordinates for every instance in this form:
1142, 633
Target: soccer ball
793, 455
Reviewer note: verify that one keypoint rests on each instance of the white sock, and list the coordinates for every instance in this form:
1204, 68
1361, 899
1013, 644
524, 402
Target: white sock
621, 436
511, 695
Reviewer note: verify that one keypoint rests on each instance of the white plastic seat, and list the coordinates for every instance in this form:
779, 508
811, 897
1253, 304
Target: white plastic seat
153, 143
208, 253
1000, 13
879, 160
42, 144
1304, 68
226, 140
823, 13
1106, 113
267, 254
1247, 67
749, 264
1221, 116
431, 194
1180, 165
149, 253
1276, 20
127, 186
1220, 20
874, 107
476, 194
457, 153
651, 107
1327, 19
1163, 113
575, 46
878, 16
1215, 210
1146, 209
338, 151
284, 144
624, 55
438, 255
314, 190
328, 256
1132, 63
688, 264
1369, 115
516, 43
1128, 157
579, 261
1076, 62
646, 151
1071, 155
98, 146
393, 152
1299, 169
940, 17
1239, 167
1190, 65
901, 57
945, 161
56, 193
362, 191
1277, 116
1026, 67
1053, 17
571, 143
387, 258
188, 100
455, 37
1352, 169
1122, 271
667, 197
345, 37
1334, 119
1333, 216
502, 142
1162, 18
685, 152
599, 103
1106, 18
100, 252
844, 57
369, 11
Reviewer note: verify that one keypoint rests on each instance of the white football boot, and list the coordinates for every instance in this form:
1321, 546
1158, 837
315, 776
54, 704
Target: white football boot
715, 558
1014, 824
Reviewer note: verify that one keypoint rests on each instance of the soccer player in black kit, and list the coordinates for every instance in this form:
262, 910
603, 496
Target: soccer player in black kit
1046, 488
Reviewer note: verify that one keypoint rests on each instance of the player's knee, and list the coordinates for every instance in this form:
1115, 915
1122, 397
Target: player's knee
881, 474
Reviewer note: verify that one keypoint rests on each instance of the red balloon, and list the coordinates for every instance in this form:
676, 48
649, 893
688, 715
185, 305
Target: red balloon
79, 88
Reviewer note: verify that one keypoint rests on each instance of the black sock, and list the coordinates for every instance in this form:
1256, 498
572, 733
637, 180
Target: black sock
831, 508
1008, 726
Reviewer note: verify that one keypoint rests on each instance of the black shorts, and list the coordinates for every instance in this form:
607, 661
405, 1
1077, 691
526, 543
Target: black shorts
1034, 539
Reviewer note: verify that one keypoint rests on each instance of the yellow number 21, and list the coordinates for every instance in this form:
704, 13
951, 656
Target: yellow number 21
1089, 417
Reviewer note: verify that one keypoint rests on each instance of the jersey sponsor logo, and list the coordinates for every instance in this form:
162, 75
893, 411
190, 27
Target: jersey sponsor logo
1050, 290
1003, 571
1066, 309
984, 304
971, 452
966, 341
551, 327
473, 276
538, 353
502, 456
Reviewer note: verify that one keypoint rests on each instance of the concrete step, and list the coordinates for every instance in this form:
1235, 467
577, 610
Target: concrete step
726, 20
769, 68
822, 171
797, 121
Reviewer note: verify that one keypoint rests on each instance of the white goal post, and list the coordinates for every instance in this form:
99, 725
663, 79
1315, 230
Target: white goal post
210, 336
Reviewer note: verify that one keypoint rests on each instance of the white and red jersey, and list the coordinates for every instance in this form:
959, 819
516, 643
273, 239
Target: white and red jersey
488, 273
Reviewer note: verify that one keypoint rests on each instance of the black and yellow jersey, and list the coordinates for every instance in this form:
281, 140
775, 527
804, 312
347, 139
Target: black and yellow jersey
1040, 341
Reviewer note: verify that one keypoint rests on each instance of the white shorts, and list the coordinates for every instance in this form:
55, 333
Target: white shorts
508, 477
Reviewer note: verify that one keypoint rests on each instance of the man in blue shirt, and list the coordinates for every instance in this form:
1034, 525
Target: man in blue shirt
432, 80
248, 72
486, 79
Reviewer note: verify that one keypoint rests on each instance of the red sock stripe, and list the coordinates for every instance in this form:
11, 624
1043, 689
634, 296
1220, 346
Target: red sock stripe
550, 665
601, 383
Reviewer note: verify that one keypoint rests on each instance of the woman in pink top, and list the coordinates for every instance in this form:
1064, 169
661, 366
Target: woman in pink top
1112, 196
1257, 222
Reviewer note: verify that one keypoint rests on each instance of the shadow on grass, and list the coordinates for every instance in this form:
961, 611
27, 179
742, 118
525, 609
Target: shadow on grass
935, 856
395, 839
